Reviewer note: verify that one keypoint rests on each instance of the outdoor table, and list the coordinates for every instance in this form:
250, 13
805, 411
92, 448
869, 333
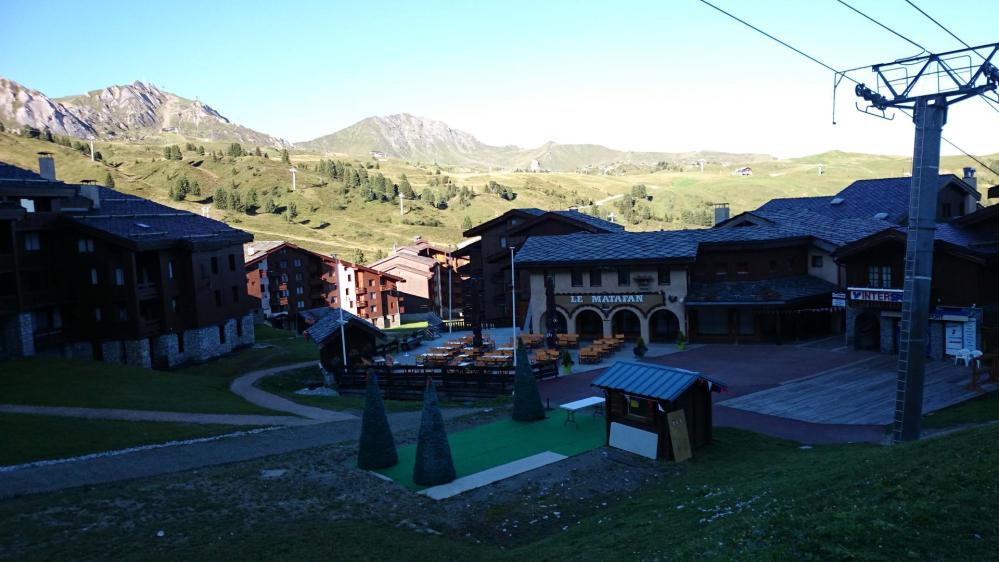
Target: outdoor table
378, 360
572, 407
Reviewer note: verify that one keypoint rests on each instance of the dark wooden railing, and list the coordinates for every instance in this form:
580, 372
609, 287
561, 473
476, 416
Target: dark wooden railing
407, 382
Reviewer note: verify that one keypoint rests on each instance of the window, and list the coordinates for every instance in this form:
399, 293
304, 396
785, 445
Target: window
85, 245
169, 269
816, 261
623, 277
301, 305
381, 281
639, 408
741, 268
297, 262
879, 276
577, 278
298, 276
232, 262
284, 264
333, 300
32, 242
502, 241
122, 314
663, 273
215, 266
93, 275
298, 290
595, 280
235, 293
374, 308
97, 314
119, 276
174, 304
28, 204
218, 297
371, 282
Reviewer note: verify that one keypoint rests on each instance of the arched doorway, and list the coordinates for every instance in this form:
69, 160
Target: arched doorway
626, 322
664, 326
589, 325
560, 323
867, 331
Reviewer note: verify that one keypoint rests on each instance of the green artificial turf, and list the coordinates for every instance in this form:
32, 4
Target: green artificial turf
983, 409
494, 444
28, 437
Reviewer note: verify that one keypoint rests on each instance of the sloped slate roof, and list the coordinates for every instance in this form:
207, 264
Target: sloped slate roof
591, 220
259, 248
141, 221
11, 172
653, 381
328, 324
777, 290
861, 199
608, 248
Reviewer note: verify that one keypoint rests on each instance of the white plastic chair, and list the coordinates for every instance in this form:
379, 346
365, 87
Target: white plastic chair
974, 356
962, 355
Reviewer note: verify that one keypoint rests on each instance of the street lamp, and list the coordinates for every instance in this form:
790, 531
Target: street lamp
513, 301
343, 327
450, 293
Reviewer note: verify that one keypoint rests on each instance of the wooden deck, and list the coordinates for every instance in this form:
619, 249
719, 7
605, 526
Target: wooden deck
858, 394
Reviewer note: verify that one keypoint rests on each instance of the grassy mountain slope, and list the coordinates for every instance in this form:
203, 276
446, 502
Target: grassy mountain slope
328, 221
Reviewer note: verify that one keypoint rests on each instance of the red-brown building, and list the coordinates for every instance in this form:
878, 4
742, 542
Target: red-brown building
428, 287
287, 280
89, 272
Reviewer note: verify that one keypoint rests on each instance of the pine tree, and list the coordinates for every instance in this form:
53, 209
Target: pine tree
252, 202
195, 188
405, 188
167, 153
433, 464
257, 152
201, 150
221, 198
292, 210
285, 157
236, 202
175, 153
2, 128
358, 256
47, 135
270, 206
527, 404
376, 448
467, 223
379, 254
108, 180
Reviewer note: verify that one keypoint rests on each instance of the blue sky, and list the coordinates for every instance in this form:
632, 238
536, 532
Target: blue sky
669, 75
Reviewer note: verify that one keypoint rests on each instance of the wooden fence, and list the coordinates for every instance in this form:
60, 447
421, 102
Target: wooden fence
407, 382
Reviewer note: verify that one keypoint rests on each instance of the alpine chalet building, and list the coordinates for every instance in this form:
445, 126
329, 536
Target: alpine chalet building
90, 272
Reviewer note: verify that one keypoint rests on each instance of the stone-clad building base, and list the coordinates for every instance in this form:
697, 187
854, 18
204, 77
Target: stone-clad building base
165, 351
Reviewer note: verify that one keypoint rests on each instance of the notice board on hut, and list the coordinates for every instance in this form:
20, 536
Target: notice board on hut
678, 435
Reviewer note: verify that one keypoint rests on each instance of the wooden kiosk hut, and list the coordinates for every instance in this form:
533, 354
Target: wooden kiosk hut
362, 337
640, 399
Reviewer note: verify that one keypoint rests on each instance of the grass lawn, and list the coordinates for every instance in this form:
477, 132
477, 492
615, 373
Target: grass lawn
29, 437
486, 446
44, 381
979, 410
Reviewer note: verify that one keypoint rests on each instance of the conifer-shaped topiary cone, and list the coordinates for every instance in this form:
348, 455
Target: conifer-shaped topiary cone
433, 452
377, 447
527, 404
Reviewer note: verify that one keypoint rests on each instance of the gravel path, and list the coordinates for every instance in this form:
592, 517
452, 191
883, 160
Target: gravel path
155, 416
113, 466
244, 387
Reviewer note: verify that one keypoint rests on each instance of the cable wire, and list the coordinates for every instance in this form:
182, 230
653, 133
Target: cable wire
885, 27
838, 72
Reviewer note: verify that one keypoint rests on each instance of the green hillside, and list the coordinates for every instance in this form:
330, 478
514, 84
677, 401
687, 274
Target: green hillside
332, 216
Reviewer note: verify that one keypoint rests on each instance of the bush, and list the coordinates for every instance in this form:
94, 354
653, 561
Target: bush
640, 348
527, 404
433, 464
377, 446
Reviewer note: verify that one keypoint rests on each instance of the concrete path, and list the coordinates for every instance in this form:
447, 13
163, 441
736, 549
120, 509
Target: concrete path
244, 386
141, 462
154, 416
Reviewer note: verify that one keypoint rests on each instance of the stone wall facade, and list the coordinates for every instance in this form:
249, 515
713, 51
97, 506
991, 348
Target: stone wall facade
19, 335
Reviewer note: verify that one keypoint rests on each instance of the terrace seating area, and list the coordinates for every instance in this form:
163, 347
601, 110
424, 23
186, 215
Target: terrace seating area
600, 349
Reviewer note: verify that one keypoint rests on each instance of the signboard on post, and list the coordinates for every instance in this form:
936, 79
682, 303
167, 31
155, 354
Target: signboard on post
839, 300
953, 337
678, 436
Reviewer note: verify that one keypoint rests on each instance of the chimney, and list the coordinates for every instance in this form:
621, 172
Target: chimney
46, 166
721, 213
969, 177
93, 193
